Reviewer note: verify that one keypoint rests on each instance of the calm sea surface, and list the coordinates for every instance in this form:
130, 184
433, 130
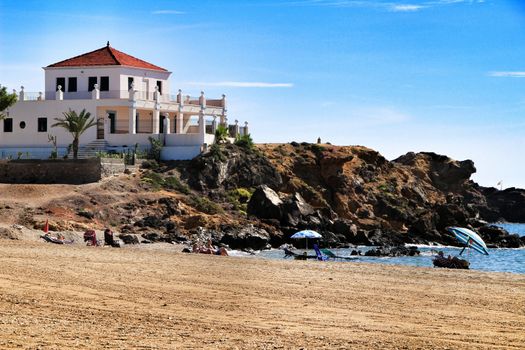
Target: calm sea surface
500, 260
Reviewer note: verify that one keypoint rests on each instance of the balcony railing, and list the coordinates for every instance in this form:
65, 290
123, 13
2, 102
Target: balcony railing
120, 94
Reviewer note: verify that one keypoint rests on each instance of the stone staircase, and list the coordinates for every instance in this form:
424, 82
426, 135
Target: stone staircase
90, 150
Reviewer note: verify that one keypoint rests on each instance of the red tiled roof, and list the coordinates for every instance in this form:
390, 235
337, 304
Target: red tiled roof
106, 56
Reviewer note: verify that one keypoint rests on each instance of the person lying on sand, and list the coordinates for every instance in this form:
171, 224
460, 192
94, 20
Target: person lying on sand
209, 249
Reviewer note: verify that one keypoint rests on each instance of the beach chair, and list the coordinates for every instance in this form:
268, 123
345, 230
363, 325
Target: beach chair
320, 256
329, 254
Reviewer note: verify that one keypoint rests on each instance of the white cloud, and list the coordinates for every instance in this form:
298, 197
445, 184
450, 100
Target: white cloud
168, 12
392, 6
406, 8
242, 84
508, 74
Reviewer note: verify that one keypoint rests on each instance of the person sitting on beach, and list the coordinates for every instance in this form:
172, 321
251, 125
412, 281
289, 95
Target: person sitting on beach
108, 237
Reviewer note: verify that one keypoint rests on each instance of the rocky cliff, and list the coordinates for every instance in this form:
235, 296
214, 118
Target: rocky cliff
354, 195
254, 198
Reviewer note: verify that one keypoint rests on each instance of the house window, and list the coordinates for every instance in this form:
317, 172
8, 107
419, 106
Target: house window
159, 85
8, 125
22, 125
72, 84
130, 82
42, 124
61, 82
104, 83
91, 83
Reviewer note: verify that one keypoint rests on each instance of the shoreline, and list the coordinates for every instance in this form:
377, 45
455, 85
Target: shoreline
33, 235
110, 298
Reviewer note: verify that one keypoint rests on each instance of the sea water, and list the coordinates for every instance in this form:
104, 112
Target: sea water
498, 260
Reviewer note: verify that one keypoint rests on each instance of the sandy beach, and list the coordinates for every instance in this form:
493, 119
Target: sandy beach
64, 297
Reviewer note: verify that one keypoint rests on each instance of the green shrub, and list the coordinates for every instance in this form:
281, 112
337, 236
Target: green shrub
244, 141
173, 182
217, 153
204, 205
154, 180
157, 182
239, 198
149, 164
155, 149
317, 148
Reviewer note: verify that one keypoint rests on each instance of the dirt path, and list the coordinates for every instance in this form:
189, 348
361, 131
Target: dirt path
58, 297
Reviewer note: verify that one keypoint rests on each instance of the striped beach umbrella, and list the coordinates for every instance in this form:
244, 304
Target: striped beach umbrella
470, 239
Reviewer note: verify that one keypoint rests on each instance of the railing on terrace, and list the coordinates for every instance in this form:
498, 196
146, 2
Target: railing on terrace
120, 94
33, 96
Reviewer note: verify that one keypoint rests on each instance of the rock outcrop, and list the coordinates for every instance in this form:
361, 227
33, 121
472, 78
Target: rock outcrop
249, 198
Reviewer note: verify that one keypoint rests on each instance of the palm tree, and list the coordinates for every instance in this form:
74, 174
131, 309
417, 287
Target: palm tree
76, 125
221, 134
6, 100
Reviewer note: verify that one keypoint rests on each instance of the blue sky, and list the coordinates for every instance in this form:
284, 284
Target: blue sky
434, 75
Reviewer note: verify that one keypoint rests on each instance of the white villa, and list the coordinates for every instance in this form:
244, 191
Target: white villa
129, 98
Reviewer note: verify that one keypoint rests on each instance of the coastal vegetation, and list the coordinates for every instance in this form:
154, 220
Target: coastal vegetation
76, 125
6, 100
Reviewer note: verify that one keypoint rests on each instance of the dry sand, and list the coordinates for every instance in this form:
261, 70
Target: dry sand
68, 297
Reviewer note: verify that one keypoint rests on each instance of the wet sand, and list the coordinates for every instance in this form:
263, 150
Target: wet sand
65, 297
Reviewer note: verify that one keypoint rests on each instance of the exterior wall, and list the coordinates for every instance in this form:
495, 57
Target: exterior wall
180, 152
118, 80
50, 171
30, 111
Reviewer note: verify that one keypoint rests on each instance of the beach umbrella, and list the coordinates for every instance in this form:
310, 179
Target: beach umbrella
306, 234
470, 239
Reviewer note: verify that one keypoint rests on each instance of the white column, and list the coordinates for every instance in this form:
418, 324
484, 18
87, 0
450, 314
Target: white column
95, 93
246, 132
179, 122
132, 120
236, 129
202, 100
202, 129
214, 124
59, 94
167, 124
202, 126
156, 94
132, 92
156, 121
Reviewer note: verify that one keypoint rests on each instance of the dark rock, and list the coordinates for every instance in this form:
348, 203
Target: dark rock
499, 237
509, 203
230, 167
246, 237
393, 251
345, 228
86, 213
265, 204
150, 221
129, 239
152, 236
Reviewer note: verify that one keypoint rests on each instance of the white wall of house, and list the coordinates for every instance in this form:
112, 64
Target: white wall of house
145, 80
29, 112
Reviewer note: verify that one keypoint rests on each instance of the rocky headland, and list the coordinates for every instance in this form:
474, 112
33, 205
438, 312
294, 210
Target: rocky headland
256, 198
